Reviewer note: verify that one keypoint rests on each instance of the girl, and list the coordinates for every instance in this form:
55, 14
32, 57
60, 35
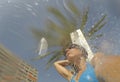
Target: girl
76, 57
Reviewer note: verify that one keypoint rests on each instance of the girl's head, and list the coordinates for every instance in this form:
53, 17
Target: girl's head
75, 52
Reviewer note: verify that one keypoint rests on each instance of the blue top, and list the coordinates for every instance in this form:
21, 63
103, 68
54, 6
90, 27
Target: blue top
87, 76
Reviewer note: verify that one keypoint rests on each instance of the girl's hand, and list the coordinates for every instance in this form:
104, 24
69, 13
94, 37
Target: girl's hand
60, 67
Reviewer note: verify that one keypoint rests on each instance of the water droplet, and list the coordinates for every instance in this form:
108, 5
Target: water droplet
36, 3
92, 26
28, 5
9, 1
29, 9
45, 0
102, 14
34, 14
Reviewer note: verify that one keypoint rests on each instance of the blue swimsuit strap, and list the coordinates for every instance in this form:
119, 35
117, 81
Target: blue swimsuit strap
88, 75
89, 71
73, 78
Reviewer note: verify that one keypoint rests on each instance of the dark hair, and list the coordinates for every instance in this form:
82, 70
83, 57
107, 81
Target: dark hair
82, 49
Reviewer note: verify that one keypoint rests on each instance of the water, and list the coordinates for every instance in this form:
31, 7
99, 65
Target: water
18, 16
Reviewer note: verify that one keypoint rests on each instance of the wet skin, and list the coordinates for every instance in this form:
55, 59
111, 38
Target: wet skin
72, 56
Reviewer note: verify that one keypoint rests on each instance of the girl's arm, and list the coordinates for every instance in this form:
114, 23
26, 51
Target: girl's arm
60, 67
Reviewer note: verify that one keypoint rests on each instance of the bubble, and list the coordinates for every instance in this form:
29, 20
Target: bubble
9, 1
102, 14
16, 6
45, 0
93, 26
36, 3
34, 14
28, 5
29, 9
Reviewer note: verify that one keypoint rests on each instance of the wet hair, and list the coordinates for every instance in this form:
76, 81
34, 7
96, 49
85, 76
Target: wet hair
82, 49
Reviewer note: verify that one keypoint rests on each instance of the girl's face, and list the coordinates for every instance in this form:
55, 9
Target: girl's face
73, 54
